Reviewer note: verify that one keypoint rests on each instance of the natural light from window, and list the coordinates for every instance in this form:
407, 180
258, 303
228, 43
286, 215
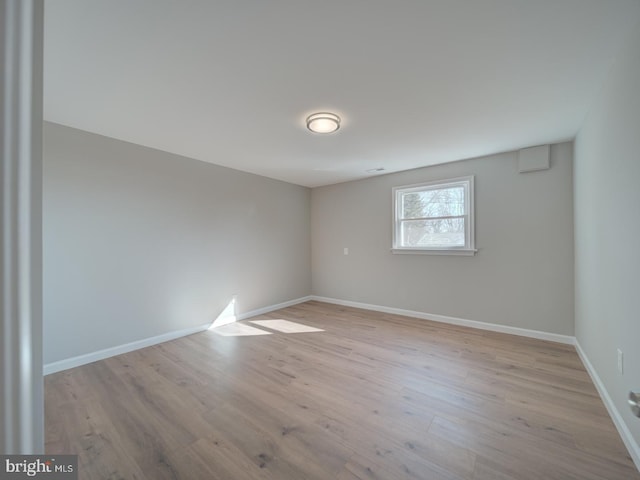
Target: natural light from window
227, 316
227, 324
285, 326
434, 217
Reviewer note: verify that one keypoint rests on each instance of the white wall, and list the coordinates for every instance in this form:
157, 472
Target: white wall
607, 229
522, 275
140, 242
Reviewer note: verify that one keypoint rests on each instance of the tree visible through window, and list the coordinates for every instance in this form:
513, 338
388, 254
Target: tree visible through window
434, 216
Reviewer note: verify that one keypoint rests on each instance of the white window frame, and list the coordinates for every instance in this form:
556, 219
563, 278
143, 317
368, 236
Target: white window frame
469, 217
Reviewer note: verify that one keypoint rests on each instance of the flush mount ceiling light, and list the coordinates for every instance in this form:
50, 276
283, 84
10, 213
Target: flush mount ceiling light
323, 122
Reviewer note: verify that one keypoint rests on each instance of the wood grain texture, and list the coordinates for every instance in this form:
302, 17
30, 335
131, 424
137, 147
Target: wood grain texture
373, 396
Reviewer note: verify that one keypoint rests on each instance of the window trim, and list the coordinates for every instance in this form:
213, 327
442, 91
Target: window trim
468, 249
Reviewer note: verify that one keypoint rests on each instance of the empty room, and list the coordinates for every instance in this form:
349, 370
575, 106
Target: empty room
343, 240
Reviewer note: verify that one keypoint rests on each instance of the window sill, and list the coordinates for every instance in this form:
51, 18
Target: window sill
424, 251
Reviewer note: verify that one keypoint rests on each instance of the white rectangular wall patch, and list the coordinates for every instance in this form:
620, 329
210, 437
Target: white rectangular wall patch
533, 159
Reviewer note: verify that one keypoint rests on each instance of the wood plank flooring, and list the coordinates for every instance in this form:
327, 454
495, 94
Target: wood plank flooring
373, 396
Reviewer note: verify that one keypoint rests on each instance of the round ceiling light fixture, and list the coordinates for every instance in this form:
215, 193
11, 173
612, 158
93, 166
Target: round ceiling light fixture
323, 122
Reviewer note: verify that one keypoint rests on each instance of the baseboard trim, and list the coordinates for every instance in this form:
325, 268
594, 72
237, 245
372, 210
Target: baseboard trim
523, 332
621, 426
80, 360
627, 438
623, 430
271, 308
73, 362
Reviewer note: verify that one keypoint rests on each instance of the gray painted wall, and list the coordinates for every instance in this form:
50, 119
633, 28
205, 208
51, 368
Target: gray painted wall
522, 275
607, 228
140, 242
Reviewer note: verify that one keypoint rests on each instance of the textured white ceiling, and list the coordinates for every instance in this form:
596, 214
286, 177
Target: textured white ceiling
416, 82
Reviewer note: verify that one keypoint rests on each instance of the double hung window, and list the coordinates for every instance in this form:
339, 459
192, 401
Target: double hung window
434, 217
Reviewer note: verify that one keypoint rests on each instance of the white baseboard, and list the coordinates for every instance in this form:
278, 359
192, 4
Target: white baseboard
271, 308
621, 426
625, 433
67, 363
623, 430
119, 349
523, 332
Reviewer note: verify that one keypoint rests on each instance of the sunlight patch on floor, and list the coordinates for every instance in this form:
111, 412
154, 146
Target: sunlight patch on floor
238, 330
285, 326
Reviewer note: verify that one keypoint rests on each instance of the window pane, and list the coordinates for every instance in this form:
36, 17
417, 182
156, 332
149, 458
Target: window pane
441, 202
432, 233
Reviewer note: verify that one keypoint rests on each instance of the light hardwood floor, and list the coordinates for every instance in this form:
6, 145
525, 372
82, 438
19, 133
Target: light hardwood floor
374, 396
